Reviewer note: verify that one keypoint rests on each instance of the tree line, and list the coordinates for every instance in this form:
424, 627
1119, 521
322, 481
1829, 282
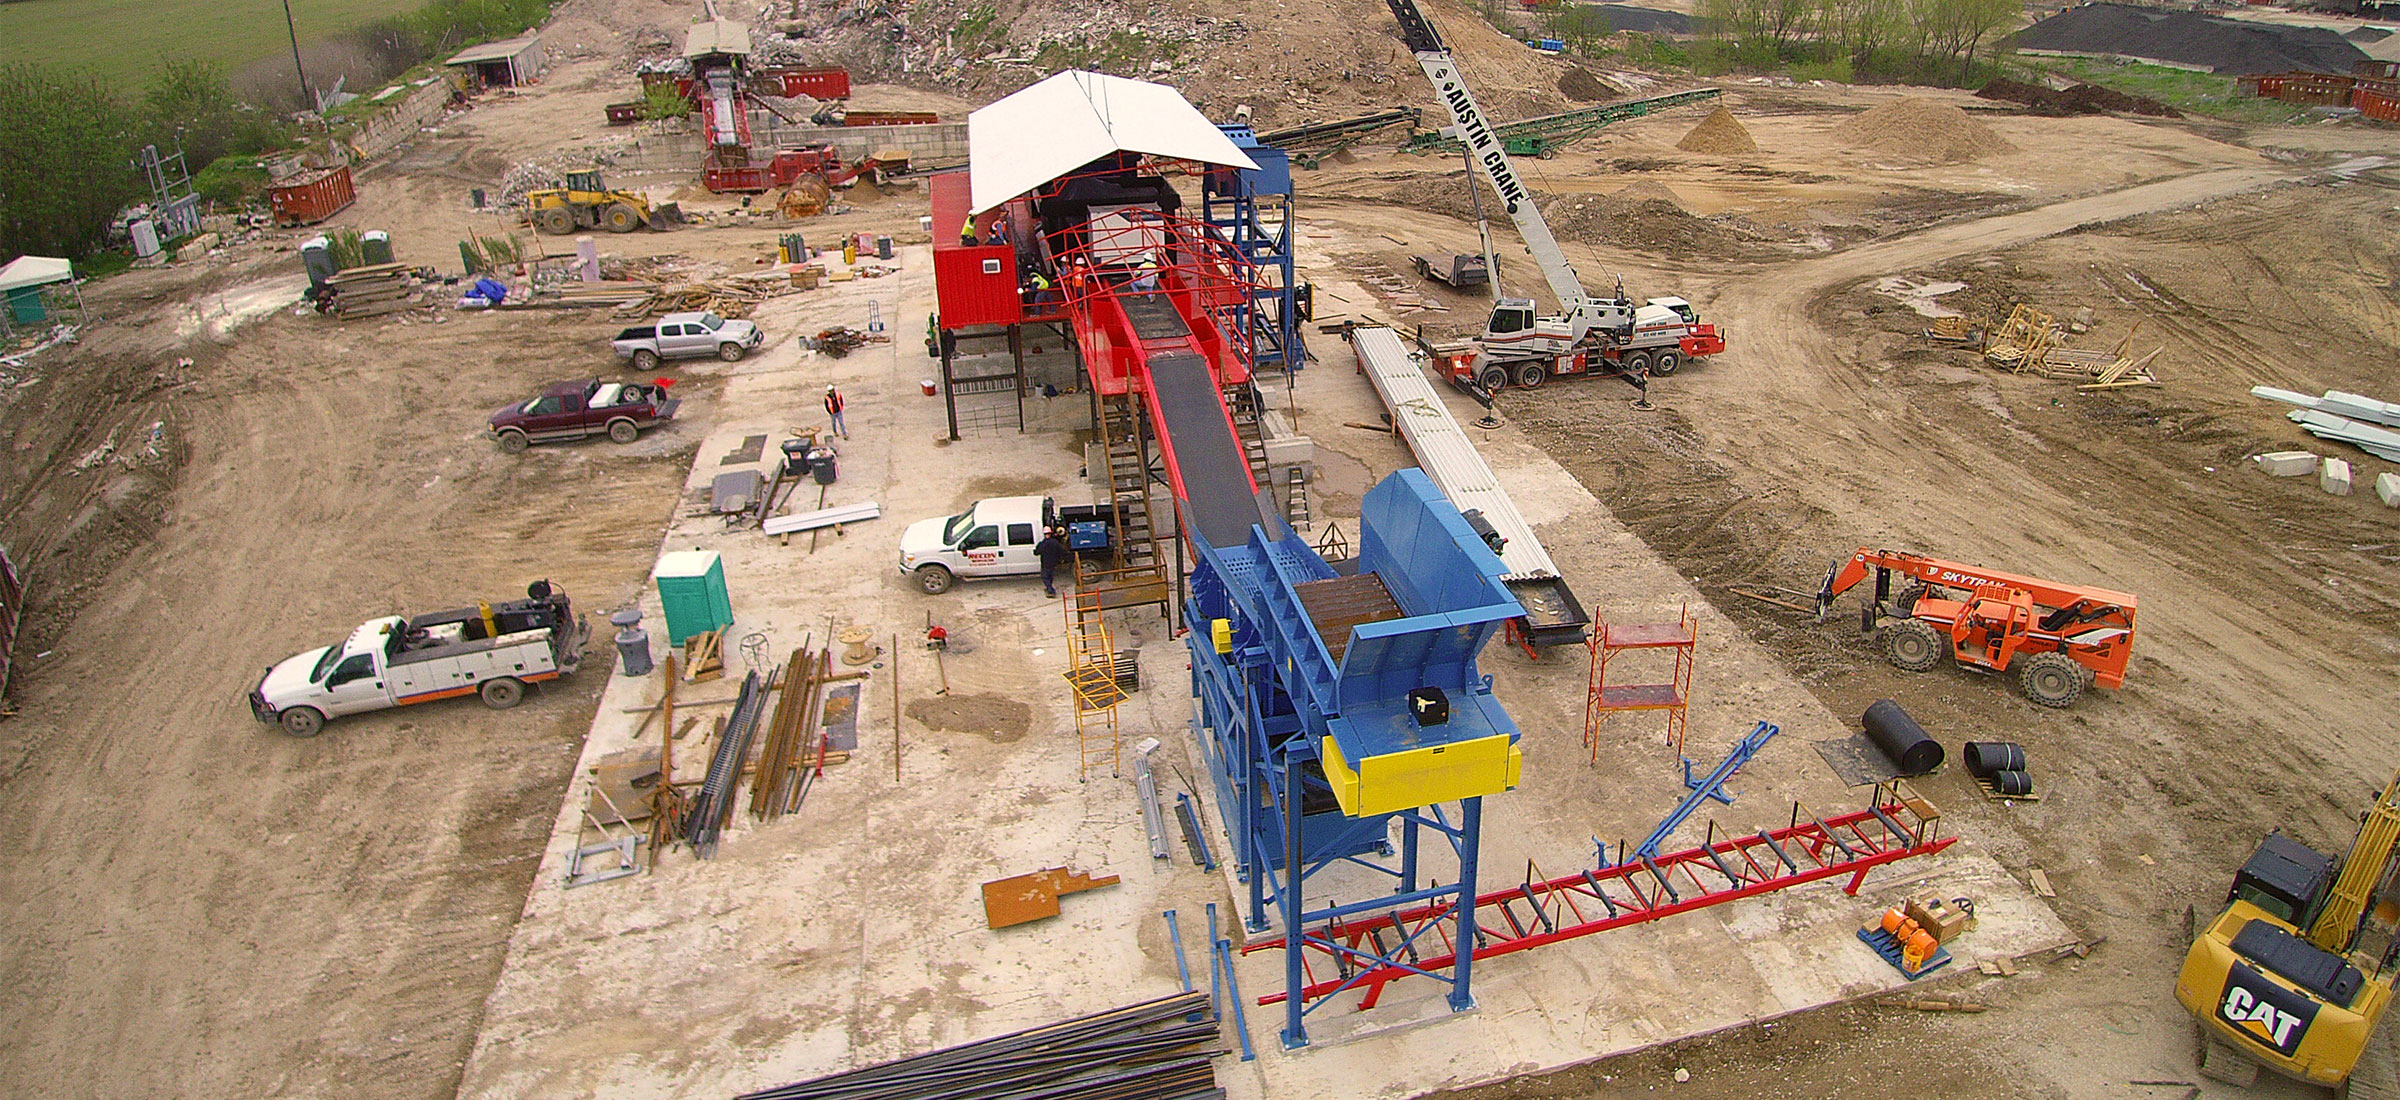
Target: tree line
72, 138
1921, 41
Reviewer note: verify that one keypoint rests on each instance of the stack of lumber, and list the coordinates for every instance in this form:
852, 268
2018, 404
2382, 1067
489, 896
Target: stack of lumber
371, 291
722, 298
602, 293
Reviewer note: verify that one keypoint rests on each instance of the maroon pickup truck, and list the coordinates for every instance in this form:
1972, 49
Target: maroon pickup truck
573, 410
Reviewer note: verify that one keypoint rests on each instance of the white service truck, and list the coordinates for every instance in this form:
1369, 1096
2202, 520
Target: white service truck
493, 650
995, 537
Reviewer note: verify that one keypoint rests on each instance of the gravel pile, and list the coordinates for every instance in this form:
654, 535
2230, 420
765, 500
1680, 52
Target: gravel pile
1922, 129
2234, 46
528, 176
1720, 133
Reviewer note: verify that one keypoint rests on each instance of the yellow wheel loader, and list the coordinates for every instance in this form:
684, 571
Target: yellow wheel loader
586, 203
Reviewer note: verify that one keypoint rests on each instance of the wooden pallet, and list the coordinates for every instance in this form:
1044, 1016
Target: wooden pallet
1991, 793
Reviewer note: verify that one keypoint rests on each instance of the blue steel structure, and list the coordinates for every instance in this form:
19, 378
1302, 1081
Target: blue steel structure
1254, 211
1300, 672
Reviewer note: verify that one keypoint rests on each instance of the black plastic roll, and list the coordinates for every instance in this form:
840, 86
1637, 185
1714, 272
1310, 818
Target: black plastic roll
1986, 757
2015, 784
1901, 739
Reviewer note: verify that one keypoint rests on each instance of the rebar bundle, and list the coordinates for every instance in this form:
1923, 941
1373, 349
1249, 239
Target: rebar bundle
714, 806
1156, 1050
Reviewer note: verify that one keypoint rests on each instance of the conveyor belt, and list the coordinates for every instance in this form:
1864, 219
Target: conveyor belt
1196, 435
1154, 316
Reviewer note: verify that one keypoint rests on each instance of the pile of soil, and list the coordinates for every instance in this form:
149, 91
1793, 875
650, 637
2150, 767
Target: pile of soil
1581, 86
2081, 99
1922, 129
1719, 133
1643, 223
2236, 46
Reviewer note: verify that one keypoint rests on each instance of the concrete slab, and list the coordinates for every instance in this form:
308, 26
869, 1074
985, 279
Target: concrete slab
852, 931
2387, 489
2334, 477
2286, 463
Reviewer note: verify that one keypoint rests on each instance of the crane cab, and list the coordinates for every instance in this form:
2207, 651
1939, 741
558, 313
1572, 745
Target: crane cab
1510, 317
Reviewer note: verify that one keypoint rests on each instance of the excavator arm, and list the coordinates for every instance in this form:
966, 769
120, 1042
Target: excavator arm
2363, 871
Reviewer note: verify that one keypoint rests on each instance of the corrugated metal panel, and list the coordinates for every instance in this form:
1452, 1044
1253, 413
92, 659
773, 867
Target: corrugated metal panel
494, 51
1444, 451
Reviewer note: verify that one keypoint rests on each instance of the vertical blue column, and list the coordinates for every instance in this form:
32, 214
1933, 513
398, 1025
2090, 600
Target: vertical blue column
1470, 843
1408, 854
1295, 1035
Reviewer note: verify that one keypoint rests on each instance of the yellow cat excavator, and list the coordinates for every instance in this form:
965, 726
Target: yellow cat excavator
2295, 973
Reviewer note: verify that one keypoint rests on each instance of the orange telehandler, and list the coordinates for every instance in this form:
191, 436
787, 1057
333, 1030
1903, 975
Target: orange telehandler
2061, 638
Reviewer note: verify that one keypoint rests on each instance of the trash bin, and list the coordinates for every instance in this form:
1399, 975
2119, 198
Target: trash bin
633, 642
795, 457
883, 248
820, 461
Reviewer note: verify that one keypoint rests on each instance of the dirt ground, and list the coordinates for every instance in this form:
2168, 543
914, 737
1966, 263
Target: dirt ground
205, 908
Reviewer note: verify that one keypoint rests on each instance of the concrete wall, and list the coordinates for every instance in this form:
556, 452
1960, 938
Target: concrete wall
402, 120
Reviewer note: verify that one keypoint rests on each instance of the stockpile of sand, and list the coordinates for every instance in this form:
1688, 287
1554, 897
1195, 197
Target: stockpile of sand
1922, 129
1720, 133
1581, 86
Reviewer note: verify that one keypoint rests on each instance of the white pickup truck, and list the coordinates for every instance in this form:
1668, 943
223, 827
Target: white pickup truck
995, 537
687, 336
490, 649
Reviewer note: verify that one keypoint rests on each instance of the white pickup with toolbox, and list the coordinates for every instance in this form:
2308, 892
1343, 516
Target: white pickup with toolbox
493, 650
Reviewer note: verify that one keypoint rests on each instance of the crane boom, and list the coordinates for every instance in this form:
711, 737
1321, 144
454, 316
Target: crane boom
1583, 312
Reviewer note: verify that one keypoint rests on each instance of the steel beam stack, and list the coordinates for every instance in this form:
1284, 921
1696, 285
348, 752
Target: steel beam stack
1156, 1050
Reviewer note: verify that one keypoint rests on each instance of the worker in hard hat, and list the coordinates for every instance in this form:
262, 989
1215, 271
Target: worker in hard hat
1146, 280
966, 233
833, 410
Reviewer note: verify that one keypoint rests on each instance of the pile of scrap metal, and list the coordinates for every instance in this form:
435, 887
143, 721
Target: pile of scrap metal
2363, 422
1158, 1049
796, 750
842, 340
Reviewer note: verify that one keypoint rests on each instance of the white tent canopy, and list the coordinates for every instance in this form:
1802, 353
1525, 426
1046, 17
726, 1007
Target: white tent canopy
1074, 118
25, 271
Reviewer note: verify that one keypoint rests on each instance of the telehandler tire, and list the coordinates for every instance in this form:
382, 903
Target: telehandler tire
2051, 679
1912, 645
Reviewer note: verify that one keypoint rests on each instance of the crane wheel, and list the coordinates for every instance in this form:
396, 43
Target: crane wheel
1491, 379
554, 220
622, 218
1912, 645
1666, 363
1637, 362
1531, 375
2051, 679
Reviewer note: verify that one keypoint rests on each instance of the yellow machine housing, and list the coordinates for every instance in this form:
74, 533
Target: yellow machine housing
2294, 975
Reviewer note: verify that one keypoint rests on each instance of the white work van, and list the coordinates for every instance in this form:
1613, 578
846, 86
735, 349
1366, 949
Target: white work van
492, 650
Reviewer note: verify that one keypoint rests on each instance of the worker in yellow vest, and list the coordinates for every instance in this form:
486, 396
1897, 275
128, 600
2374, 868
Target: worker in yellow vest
966, 233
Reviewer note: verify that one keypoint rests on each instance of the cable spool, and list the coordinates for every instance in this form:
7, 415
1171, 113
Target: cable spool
1986, 757
1902, 740
2011, 784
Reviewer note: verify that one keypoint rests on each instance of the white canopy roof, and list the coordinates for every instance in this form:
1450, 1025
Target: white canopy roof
25, 271
1075, 118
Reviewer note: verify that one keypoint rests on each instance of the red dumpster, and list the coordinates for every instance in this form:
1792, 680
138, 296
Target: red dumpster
312, 197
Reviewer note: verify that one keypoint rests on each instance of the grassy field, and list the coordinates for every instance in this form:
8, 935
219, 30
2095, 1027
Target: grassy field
120, 37
2192, 93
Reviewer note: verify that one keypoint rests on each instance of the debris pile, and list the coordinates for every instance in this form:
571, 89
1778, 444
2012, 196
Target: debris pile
527, 176
1720, 133
1917, 128
2361, 421
2080, 99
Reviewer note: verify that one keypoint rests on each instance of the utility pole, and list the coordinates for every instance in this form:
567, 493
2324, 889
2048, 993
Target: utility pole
308, 100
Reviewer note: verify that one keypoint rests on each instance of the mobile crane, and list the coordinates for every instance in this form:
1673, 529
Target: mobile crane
2303, 1004
2060, 637
1592, 335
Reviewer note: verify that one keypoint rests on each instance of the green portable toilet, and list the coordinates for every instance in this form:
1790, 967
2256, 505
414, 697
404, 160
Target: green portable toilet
375, 246
691, 585
25, 306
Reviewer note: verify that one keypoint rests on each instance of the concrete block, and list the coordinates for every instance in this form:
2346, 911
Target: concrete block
2335, 478
2286, 463
2387, 489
